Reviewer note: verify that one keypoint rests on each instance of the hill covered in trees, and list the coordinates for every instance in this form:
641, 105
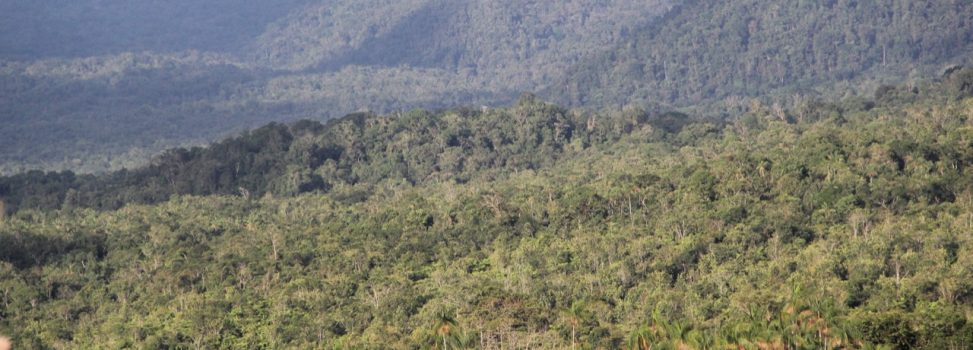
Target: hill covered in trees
359, 151
716, 49
814, 225
314, 60
89, 89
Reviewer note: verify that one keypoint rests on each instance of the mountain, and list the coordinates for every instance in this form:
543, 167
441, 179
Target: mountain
357, 151
712, 175
815, 225
526, 41
31, 30
319, 60
103, 85
705, 50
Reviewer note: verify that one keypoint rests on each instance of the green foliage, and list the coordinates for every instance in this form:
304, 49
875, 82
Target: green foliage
473, 229
360, 151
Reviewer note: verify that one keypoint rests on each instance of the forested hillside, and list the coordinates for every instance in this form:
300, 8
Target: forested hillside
715, 49
359, 152
104, 85
528, 42
746, 174
312, 60
819, 225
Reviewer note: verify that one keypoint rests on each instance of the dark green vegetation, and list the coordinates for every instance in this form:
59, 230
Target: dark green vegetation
815, 225
357, 154
255, 62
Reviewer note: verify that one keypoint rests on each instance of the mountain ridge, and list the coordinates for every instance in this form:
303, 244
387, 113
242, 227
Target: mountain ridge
326, 59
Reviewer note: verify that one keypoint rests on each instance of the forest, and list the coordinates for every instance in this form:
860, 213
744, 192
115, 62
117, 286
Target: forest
94, 86
835, 225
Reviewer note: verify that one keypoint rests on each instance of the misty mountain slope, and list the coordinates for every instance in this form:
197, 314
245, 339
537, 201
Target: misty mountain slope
90, 113
483, 35
108, 113
324, 59
82, 28
323, 31
708, 49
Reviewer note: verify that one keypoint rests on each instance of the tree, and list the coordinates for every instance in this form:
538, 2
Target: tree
445, 326
575, 316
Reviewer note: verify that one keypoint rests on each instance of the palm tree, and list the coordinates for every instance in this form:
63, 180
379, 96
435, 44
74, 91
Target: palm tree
574, 316
641, 339
444, 326
464, 339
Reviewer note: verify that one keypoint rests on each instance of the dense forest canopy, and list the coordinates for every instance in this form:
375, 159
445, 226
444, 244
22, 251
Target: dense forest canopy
746, 174
819, 225
359, 150
91, 86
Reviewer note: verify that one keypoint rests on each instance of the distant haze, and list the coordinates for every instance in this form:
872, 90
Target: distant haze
93, 85
78, 28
